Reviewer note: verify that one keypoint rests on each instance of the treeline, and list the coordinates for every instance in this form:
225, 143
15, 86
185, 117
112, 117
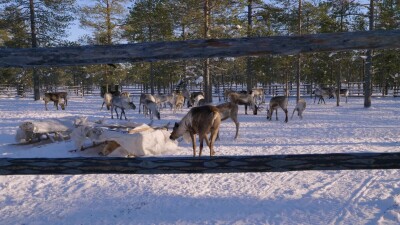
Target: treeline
44, 23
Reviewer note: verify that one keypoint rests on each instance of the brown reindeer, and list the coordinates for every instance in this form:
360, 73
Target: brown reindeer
179, 100
200, 120
59, 98
229, 110
274, 103
244, 99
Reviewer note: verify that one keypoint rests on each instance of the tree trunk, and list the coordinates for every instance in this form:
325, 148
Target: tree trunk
249, 34
206, 70
36, 77
368, 66
298, 75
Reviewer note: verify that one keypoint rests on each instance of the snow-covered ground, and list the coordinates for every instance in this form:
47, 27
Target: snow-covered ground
309, 197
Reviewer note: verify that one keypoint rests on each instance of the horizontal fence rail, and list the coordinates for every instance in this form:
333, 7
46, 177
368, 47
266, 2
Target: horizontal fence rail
153, 51
189, 165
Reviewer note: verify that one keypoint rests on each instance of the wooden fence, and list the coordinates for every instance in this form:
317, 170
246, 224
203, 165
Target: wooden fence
199, 49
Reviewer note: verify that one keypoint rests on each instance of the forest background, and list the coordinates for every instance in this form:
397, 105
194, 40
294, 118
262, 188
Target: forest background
47, 23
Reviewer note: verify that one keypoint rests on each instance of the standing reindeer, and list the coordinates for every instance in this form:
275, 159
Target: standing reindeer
143, 98
342, 92
179, 100
59, 98
258, 94
321, 92
274, 103
199, 120
300, 107
244, 99
122, 103
229, 110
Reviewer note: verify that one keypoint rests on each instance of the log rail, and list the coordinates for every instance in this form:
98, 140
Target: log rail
153, 51
189, 165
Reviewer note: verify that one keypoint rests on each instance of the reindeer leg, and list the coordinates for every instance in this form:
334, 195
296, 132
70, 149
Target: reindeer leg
192, 136
293, 113
201, 139
286, 114
276, 114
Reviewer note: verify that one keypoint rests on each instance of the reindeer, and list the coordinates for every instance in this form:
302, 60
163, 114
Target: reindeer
122, 103
244, 99
258, 94
197, 100
150, 108
59, 98
199, 120
107, 101
274, 103
342, 92
229, 110
142, 99
300, 107
193, 95
179, 100
321, 92
226, 93
108, 98
164, 99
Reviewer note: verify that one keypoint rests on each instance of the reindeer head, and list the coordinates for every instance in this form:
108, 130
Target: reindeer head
133, 106
269, 114
174, 134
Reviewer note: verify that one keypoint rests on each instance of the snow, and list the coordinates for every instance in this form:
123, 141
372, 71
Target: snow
301, 197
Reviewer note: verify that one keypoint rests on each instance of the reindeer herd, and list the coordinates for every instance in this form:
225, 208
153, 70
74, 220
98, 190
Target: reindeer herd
202, 119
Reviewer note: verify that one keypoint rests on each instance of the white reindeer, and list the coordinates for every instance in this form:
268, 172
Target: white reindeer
300, 107
200, 120
122, 103
274, 104
151, 109
258, 94
107, 101
321, 92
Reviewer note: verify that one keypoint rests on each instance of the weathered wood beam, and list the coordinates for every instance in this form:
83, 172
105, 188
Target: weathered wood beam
153, 51
180, 165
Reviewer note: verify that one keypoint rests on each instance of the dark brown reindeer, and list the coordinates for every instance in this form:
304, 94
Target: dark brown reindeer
200, 120
274, 104
229, 110
244, 99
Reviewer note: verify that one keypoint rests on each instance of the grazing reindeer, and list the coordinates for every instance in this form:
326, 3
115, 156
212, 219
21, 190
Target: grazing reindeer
150, 107
258, 94
274, 103
229, 110
300, 107
59, 98
179, 100
143, 98
244, 99
199, 120
342, 92
321, 92
122, 103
